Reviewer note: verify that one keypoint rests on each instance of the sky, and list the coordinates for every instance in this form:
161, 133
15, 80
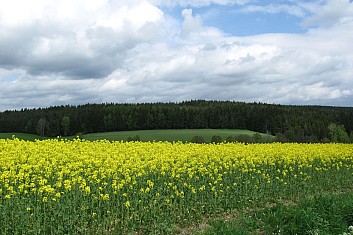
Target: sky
73, 52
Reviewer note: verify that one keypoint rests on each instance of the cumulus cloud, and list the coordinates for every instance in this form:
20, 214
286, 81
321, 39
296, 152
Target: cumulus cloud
329, 13
82, 39
268, 68
64, 52
191, 23
193, 28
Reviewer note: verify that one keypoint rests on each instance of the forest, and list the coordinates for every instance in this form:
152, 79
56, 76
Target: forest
291, 123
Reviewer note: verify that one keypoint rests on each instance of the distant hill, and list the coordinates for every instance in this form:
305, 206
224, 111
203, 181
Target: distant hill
296, 123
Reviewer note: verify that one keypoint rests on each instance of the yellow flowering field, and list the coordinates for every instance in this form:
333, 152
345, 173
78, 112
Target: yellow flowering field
101, 187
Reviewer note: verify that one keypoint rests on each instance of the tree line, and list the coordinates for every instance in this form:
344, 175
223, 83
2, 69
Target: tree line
294, 123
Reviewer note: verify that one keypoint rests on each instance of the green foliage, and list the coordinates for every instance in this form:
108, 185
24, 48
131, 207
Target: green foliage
42, 126
280, 138
108, 122
134, 138
30, 127
243, 138
216, 139
65, 124
257, 138
197, 139
338, 133
333, 132
267, 139
230, 139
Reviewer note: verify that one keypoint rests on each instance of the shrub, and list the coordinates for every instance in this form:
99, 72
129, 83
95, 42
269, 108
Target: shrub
243, 138
216, 139
135, 138
230, 139
197, 139
257, 138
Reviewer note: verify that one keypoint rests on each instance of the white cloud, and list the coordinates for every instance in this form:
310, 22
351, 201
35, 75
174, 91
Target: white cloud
275, 8
130, 51
79, 38
192, 28
191, 23
260, 68
330, 13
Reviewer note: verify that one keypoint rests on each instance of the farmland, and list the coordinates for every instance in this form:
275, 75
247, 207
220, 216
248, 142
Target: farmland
184, 135
103, 187
22, 136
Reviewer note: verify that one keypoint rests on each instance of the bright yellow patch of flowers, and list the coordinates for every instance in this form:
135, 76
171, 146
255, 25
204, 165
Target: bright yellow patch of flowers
137, 176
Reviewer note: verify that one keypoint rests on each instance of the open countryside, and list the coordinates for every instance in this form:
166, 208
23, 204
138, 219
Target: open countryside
177, 181
176, 117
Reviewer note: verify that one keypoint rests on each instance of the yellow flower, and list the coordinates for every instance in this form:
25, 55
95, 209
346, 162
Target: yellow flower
87, 190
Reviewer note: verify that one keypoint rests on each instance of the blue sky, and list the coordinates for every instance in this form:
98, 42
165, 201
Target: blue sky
94, 51
237, 20
243, 24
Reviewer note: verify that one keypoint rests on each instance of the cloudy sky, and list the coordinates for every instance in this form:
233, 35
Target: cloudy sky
96, 51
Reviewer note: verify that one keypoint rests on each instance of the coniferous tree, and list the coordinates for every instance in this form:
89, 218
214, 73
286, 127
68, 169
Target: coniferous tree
65, 123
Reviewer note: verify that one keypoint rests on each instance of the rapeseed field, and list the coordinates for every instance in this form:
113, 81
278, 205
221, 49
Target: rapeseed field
102, 187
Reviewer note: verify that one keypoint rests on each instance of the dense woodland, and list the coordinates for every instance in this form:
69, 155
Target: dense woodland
292, 123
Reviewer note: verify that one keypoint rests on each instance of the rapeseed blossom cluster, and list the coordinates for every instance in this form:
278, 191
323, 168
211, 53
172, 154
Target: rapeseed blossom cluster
142, 182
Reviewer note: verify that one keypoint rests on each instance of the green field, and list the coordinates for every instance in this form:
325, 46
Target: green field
184, 135
22, 136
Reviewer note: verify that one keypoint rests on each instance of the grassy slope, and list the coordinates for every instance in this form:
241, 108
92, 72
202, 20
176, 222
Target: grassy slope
167, 135
23, 136
147, 135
